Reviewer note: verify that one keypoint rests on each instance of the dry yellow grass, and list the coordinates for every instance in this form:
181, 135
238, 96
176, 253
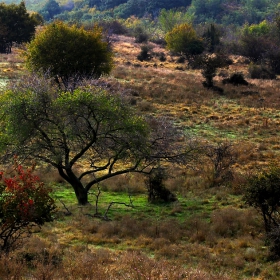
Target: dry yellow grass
228, 244
247, 114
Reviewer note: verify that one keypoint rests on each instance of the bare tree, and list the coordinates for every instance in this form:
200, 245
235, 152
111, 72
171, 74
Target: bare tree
222, 157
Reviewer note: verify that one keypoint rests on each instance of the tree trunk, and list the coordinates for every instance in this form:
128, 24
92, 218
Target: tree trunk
80, 191
82, 195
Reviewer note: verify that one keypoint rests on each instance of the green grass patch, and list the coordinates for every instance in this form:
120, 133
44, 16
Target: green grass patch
182, 210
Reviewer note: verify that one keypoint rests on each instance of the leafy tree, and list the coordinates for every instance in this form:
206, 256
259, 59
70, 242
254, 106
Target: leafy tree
183, 39
131, 7
209, 64
260, 42
69, 53
260, 29
108, 4
24, 202
254, 47
50, 9
255, 40
87, 127
212, 36
16, 25
141, 7
168, 19
263, 193
207, 10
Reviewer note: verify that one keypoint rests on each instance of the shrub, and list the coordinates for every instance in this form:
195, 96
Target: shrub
227, 222
209, 65
263, 193
145, 53
24, 203
254, 42
140, 35
212, 36
273, 58
222, 158
260, 72
114, 26
156, 190
236, 79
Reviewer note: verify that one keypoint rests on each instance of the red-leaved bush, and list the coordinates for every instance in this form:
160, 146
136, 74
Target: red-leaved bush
24, 203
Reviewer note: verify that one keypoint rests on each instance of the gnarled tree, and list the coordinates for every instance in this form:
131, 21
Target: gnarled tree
87, 127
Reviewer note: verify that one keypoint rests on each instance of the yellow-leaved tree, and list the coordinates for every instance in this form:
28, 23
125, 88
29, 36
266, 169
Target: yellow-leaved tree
184, 40
69, 53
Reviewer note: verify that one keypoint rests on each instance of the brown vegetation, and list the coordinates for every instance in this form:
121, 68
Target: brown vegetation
218, 237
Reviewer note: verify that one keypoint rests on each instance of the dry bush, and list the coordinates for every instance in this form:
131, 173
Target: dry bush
171, 251
139, 266
133, 183
177, 181
144, 241
199, 230
104, 265
12, 268
86, 265
49, 175
130, 227
159, 243
197, 180
109, 229
44, 271
116, 184
231, 222
145, 106
171, 229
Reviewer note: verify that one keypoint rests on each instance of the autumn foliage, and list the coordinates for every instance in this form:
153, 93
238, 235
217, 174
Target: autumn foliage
24, 203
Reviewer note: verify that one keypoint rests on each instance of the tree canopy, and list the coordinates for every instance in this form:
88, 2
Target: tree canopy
69, 53
50, 9
88, 126
263, 193
16, 25
183, 39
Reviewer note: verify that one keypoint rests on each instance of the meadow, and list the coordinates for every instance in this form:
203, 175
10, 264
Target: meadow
209, 233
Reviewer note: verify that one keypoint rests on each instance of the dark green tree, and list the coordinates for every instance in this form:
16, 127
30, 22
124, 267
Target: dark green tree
263, 193
209, 65
212, 37
50, 9
16, 25
157, 192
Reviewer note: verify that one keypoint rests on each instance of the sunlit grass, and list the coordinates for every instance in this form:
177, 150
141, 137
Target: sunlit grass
209, 230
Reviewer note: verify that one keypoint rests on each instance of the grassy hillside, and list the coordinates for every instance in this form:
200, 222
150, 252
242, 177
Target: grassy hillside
209, 233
